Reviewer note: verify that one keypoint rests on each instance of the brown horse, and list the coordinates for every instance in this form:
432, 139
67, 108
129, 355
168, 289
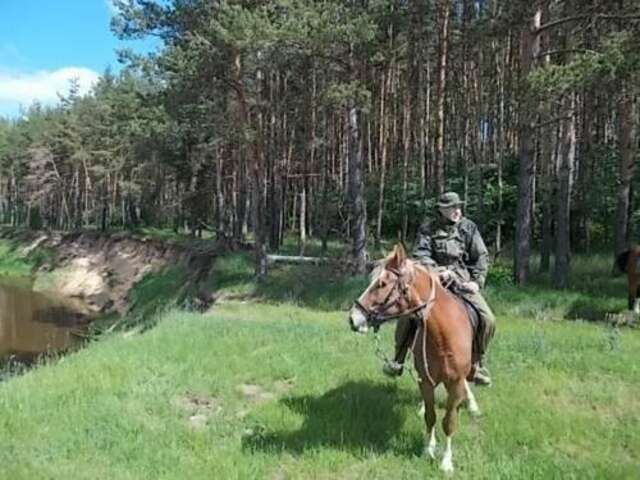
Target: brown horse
442, 347
629, 263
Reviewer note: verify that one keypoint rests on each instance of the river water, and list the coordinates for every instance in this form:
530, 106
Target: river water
32, 323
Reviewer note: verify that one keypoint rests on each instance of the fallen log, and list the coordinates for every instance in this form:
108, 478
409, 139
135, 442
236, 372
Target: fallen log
271, 259
300, 260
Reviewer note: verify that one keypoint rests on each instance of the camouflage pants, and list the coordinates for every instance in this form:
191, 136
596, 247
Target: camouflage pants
406, 328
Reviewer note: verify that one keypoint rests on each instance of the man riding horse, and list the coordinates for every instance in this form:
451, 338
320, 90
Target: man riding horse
451, 245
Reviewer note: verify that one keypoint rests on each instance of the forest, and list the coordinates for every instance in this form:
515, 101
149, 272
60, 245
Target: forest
330, 119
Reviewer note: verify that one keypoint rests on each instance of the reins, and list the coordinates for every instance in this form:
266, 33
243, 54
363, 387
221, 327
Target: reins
425, 318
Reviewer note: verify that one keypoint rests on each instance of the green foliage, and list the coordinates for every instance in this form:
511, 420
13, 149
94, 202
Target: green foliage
500, 275
15, 263
617, 61
344, 93
417, 207
144, 148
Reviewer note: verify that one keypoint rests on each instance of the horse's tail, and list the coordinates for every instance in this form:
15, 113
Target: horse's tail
622, 260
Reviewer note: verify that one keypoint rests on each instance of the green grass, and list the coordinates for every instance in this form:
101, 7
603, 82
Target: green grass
319, 288
154, 293
16, 266
12, 262
564, 405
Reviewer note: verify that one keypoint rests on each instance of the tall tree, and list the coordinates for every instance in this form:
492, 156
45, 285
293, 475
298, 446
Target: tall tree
529, 51
565, 180
443, 12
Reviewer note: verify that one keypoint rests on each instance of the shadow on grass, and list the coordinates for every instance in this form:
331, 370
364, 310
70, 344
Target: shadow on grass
153, 294
356, 416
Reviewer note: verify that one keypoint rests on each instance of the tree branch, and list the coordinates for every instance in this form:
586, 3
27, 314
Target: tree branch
561, 51
560, 21
552, 120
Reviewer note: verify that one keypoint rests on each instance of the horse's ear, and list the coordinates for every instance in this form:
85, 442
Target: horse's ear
401, 251
398, 257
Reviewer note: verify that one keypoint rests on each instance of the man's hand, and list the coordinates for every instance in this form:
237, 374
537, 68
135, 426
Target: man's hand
444, 275
471, 287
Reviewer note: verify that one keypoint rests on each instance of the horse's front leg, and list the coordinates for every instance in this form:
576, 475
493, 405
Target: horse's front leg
456, 395
428, 397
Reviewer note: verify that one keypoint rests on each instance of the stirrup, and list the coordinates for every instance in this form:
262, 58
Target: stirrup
392, 369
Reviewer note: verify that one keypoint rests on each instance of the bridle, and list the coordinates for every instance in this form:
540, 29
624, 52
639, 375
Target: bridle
375, 318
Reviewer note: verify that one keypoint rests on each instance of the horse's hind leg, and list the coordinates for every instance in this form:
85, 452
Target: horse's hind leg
428, 397
474, 410
457, 393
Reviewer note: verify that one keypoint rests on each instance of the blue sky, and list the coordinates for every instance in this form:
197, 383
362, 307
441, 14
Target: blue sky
44, 43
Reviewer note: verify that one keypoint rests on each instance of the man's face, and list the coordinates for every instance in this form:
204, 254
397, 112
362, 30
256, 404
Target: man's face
453, 214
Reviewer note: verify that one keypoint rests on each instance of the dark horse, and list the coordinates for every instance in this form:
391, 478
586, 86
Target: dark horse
629, 263
442, 347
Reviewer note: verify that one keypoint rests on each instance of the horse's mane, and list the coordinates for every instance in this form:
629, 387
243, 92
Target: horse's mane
429, 271
409, 269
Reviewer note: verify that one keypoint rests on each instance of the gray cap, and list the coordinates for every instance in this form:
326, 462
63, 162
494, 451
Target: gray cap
448, 200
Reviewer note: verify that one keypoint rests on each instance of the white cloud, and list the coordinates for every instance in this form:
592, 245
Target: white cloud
43, 86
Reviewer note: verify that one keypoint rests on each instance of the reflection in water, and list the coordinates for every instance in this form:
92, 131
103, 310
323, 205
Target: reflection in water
32, 323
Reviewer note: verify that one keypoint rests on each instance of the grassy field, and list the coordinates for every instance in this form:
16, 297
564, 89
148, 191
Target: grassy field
272, 384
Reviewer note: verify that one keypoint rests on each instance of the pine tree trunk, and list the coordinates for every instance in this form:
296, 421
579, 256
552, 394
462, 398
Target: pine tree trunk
256, 173
357, 193
443, 31
529, 51
382, 148
563, 208
626, 171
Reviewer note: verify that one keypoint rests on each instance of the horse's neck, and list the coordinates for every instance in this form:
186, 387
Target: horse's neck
432, 285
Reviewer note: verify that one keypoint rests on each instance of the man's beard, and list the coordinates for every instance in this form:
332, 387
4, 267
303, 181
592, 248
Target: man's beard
451, 221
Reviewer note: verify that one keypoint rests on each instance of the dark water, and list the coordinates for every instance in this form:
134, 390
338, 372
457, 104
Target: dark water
32, 323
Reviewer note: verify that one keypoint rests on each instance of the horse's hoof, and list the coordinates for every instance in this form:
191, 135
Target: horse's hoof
447, 466
430, 452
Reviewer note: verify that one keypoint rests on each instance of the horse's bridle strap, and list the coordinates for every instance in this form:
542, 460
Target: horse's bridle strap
376, 319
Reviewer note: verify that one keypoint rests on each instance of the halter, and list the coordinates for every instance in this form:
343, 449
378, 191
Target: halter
376, 318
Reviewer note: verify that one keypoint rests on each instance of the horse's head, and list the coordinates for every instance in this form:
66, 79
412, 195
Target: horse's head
389, 294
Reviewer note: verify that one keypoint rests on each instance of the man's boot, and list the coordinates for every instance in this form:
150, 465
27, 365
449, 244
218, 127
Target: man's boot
481, 375
405, 329
392, 369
